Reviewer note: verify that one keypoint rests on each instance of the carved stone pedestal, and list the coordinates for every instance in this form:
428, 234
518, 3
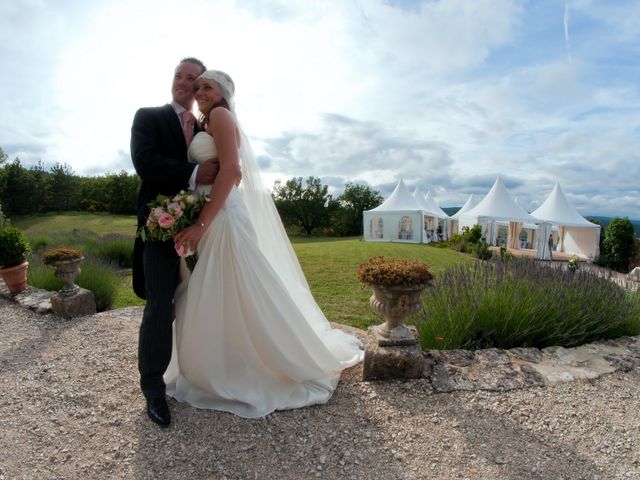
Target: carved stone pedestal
385, 362
76, 305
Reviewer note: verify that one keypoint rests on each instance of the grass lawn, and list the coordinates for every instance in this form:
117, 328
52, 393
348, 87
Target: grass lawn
64, 222
330, 264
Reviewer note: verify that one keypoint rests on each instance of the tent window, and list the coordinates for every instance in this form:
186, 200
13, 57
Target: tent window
376, 228
405, 228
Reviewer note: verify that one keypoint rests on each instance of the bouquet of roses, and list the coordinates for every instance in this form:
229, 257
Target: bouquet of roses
169, 216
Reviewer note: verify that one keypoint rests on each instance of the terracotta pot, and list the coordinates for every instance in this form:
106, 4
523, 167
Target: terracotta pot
15, 278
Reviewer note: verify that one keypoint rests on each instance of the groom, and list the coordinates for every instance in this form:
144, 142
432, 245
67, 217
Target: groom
159, 142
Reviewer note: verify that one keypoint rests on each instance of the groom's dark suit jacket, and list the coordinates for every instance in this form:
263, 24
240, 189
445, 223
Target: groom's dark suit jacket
159, 154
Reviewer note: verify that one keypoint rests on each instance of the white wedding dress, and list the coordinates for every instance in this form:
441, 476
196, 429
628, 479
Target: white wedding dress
248, 336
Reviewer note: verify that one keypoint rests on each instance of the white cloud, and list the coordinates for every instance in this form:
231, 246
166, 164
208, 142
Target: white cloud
446, 94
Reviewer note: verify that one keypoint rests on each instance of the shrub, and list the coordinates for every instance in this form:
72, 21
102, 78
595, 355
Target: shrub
390, 273
455, 239
4, 221
573, 263
116, 249
14, 247
101, 279
524, 303
618, 243
482, 251
41, 241
474, 234
42, 276
635, 258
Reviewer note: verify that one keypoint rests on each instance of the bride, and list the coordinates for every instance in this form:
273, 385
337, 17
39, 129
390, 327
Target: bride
248, 337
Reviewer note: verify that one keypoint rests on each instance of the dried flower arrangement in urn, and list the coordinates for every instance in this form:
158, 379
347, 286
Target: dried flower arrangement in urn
397, 285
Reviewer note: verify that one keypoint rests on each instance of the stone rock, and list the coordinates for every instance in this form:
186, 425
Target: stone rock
79, 304
531, 377
35, 299
495, 356
634, 275
620, 362
489, 369
388, 362
447, 378
460, 358
532, 355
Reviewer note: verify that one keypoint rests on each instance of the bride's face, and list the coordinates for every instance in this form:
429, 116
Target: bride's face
207, 95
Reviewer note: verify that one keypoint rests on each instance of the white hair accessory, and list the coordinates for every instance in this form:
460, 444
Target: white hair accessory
224, 82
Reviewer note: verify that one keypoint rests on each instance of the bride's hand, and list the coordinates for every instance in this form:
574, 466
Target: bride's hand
189, 237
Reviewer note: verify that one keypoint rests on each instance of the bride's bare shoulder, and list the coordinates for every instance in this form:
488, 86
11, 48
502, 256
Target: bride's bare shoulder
221, 115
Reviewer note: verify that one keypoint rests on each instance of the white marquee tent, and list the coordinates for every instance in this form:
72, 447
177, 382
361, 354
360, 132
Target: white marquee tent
429, 219
442, 217
414, 218
400, 218
576, 235
468, 205
498, 208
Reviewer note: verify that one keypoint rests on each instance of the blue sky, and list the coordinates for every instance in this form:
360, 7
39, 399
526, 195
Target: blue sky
443, 94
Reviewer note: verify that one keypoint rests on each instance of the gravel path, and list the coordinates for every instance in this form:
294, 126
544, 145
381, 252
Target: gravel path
70, 408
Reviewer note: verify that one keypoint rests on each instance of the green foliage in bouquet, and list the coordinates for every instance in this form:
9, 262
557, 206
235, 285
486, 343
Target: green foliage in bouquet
168, 216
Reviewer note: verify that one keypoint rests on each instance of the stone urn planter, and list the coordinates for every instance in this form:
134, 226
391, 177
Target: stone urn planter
14, 249
397, 286
396, 304
66, 263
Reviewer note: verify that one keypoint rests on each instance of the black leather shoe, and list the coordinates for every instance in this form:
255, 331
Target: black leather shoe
158, 411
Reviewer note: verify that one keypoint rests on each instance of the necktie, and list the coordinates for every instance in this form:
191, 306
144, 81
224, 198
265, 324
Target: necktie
188, 120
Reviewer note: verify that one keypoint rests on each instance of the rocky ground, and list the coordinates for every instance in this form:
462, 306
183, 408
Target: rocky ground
70, 408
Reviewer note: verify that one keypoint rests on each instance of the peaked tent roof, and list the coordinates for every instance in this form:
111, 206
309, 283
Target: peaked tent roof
557, 209
468, 205
499, 205
399, 200
433, 206
419, 196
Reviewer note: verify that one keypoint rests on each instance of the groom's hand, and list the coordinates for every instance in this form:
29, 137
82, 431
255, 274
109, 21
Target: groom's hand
207, 172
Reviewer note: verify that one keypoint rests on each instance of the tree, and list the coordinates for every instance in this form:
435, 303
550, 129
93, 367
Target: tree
39, 178
349, 206
306, 207
618, 243
63, 189
122, 189
3, 156
16, 189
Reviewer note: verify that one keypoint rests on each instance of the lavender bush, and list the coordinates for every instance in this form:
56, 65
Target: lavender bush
521, 302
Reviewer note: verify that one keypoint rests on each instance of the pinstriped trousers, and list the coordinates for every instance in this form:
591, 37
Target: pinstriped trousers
161, 272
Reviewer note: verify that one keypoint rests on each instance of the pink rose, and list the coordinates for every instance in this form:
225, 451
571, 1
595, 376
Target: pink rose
166, 220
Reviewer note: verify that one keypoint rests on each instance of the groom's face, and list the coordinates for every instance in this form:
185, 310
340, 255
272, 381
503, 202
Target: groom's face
182, 86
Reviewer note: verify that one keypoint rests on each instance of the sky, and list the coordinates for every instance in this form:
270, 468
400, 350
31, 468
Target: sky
446, 94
